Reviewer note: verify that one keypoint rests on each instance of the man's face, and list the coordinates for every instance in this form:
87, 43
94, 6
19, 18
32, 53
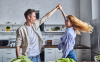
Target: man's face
32, 18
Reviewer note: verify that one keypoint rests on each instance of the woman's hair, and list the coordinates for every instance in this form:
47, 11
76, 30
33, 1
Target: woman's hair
78, 25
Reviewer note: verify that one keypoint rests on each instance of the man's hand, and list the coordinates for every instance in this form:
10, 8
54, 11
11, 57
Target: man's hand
60, 6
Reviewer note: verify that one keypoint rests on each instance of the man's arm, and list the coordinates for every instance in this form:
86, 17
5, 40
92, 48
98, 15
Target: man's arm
44, 18
18, 42
60, 7
51, 12
17, 51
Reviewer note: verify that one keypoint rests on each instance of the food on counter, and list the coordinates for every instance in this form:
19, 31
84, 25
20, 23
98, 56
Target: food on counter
21, 58
65, 60
56, 28
98, 57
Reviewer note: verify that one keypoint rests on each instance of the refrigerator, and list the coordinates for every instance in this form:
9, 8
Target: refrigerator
95, 38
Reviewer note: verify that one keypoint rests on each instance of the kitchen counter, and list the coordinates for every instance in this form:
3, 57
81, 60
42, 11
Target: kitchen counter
82, 61
75, 47
53, 46
6, 47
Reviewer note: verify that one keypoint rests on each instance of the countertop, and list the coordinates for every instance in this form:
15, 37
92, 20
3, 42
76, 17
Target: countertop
56, 46
81, 61
52, 46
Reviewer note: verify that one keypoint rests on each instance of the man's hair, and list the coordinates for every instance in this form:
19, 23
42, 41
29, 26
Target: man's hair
28, 12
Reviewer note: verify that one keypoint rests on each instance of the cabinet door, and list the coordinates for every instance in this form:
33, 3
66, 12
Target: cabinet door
58, 54
0, 59
1, 50
75, 50
83, 55
5, 59
10, 52
20, 51
49, 54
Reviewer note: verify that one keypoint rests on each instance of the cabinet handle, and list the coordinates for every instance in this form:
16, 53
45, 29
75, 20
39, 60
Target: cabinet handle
49, 52
8, 58
49, 49
83, 59
83, 50
83, 53
59, 52
8, 53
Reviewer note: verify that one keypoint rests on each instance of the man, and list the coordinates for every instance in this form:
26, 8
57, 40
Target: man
29, 35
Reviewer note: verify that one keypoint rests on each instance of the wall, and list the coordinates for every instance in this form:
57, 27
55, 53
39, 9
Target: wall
95, 9
13, 11
85, 16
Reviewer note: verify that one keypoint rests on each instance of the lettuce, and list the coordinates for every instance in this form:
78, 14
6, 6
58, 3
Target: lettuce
65, 60
21, 58
98, 57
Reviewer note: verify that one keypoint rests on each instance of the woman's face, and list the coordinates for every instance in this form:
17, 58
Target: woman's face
68, 23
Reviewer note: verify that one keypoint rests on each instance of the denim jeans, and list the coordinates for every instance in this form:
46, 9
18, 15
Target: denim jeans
35, 58
72, 55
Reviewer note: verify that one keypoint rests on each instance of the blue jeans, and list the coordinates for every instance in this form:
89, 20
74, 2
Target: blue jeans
72, 55
35, 58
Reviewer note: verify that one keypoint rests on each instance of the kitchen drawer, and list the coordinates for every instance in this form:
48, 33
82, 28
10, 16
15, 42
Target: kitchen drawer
9, 49
0, 59
83, 55
58, 55
1, 50
83, 50
49, 56
9, 54
0, 54
80, 59
5, 59
49, 49
57, 50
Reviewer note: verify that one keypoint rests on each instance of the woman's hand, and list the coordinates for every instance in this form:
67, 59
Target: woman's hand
60, 6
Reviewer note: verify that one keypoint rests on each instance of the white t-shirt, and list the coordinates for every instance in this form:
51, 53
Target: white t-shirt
33, 44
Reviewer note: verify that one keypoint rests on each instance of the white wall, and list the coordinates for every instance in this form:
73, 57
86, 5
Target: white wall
85, 16
95, 9
13, 10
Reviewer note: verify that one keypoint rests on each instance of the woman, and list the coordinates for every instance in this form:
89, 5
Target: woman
74, 26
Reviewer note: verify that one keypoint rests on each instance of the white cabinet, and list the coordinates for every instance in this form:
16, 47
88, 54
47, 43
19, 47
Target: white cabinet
7, 59
58, 53
0, 55
0, 59
83, 54
8, 54
51, 54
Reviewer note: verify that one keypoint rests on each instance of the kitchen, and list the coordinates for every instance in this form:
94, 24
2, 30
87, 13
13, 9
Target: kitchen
12, 14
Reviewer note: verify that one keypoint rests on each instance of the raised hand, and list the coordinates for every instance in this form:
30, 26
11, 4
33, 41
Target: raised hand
60, 6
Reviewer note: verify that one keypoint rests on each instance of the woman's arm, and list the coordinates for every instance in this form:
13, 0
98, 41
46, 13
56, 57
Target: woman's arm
51, 12
60, 7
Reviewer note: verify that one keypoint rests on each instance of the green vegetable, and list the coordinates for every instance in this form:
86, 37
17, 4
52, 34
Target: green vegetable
8, 27
57, 28
21, 58
98, 57
65, 60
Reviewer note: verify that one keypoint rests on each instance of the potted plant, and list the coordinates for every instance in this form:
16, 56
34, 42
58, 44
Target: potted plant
57, 28
8, 28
